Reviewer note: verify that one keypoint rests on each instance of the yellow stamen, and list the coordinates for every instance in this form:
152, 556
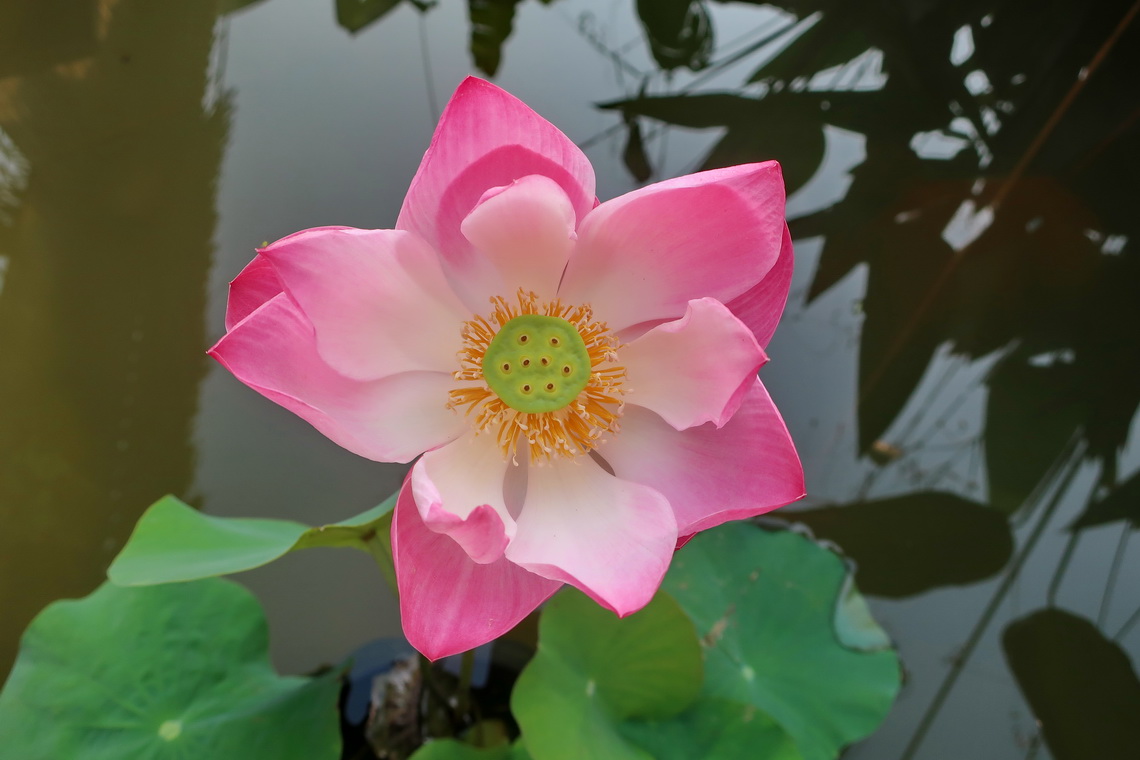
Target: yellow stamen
576, 428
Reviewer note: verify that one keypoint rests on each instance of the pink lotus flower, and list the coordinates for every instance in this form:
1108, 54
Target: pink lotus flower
580, 379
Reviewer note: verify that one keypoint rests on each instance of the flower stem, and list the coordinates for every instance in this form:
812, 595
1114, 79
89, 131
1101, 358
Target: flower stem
379, 545
466, 672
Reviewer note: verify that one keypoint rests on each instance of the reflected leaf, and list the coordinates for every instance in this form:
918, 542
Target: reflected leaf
633, 156
1122, 503
679, 32
768, 607
901, 330
172, 671
1029, 275
1037, 275
797, 145
175, 542
355, 15
696, 111
1063, 37
831, 42
910, 544
491, 24
780, 127
1081, 686
1106, 347
1031, 414
847, 241
892, 219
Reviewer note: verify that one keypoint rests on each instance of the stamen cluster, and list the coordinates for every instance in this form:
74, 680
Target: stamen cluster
576, 428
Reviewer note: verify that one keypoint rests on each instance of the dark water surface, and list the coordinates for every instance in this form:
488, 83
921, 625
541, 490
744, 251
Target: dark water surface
959, 364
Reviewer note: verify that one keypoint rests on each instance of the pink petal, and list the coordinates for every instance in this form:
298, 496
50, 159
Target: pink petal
710, 475
481, 534
486, 138
695, 369
253, 286
394, 419
645, 255
448, 603
376, 298
459, 492
526, 232
762, 306
609, 537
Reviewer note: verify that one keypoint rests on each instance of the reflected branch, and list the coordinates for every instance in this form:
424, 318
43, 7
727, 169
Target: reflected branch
1113, 574
934, 293
1128, 624
766, 37
1059, 113
1062, 566
1073, 459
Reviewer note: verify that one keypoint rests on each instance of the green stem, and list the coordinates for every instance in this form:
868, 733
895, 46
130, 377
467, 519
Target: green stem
466, 672
379, 545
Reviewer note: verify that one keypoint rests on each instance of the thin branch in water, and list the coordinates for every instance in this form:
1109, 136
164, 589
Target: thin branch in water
1062, 566
586, 32
919, 416
1066, 102
1110, 586
1124, 629
715, 67
975, 463
939, 284
1072, 459
946, 468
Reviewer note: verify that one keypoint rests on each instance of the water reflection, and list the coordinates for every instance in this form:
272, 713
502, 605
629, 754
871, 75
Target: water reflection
907, 545
63, 30
1080, 684
958, 363
987, 215
105, 238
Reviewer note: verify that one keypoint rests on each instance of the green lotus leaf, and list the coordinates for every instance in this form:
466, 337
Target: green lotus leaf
175, 542
593, 670
714, 729
452, 749
785, 635
175, 671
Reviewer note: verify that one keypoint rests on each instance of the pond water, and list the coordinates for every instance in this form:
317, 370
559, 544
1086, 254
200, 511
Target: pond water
959, 362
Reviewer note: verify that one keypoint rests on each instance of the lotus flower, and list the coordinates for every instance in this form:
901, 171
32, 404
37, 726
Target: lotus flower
577, 379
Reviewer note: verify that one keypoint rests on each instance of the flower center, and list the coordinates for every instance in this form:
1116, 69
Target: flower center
540, 377
537, 363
